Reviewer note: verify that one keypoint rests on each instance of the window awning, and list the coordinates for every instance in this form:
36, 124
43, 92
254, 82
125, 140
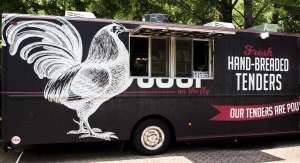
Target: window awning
180, 31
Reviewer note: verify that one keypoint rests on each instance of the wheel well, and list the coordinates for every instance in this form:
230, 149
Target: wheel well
162, 118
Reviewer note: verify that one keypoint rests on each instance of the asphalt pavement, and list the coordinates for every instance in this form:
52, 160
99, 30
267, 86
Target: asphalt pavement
267, 149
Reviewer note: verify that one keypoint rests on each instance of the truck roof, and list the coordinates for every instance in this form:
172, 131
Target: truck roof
157, 28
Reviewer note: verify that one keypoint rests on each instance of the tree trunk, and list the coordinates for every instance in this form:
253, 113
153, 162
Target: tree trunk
227, 14
79, 5
248, 13
275, 16
225, 7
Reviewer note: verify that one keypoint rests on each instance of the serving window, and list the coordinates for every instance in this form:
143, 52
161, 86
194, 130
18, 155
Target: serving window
183, 58
139, 48
159, 57
202, 66
153, 56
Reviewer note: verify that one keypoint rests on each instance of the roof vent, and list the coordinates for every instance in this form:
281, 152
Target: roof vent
79, 14
156, 18
220, 24
265, 28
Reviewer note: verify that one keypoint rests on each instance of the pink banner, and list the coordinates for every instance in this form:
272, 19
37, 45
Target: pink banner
255, 112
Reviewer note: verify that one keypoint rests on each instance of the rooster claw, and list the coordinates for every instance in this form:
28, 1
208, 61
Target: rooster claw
84, 131
104, 135
96, 130
78, 132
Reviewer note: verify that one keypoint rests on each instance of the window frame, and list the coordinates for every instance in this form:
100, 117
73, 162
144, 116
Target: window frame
175, 54
166, 38
149, 52
211, 61
171, 43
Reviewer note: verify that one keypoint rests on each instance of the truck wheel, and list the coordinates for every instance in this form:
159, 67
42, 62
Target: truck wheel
151, 137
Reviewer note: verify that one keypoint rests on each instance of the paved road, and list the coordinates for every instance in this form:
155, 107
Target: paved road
275, 149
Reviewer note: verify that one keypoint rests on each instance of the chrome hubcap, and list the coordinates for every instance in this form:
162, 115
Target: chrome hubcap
152, 137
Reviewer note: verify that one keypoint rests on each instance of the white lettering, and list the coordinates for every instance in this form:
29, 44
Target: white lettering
238, 75
148, 84
188, 84
168, 82
160, 84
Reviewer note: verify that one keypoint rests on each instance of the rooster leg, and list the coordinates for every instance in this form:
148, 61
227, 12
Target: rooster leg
84, 113
91, 131
82, 129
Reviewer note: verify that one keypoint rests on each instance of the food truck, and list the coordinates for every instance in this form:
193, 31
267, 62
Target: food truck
67, 80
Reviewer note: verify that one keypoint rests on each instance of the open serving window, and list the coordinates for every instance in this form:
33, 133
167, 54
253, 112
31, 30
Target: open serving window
173, 51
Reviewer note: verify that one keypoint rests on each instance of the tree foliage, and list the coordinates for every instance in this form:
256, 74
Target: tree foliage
243, 13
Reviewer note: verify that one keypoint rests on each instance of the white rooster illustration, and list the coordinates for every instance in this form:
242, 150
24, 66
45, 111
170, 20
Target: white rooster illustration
55, 50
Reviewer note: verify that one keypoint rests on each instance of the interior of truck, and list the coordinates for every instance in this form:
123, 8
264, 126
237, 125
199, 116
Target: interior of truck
170, 54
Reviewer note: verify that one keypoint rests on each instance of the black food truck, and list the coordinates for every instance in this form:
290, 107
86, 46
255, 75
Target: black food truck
70, 80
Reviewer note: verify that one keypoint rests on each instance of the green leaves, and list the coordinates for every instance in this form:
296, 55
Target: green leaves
284, 12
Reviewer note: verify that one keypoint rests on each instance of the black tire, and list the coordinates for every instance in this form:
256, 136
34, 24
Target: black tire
156, 126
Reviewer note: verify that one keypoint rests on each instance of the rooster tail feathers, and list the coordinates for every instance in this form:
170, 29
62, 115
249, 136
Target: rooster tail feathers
52, 46
58, 89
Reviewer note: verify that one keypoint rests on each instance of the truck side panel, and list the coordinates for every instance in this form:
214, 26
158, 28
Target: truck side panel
193, 111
